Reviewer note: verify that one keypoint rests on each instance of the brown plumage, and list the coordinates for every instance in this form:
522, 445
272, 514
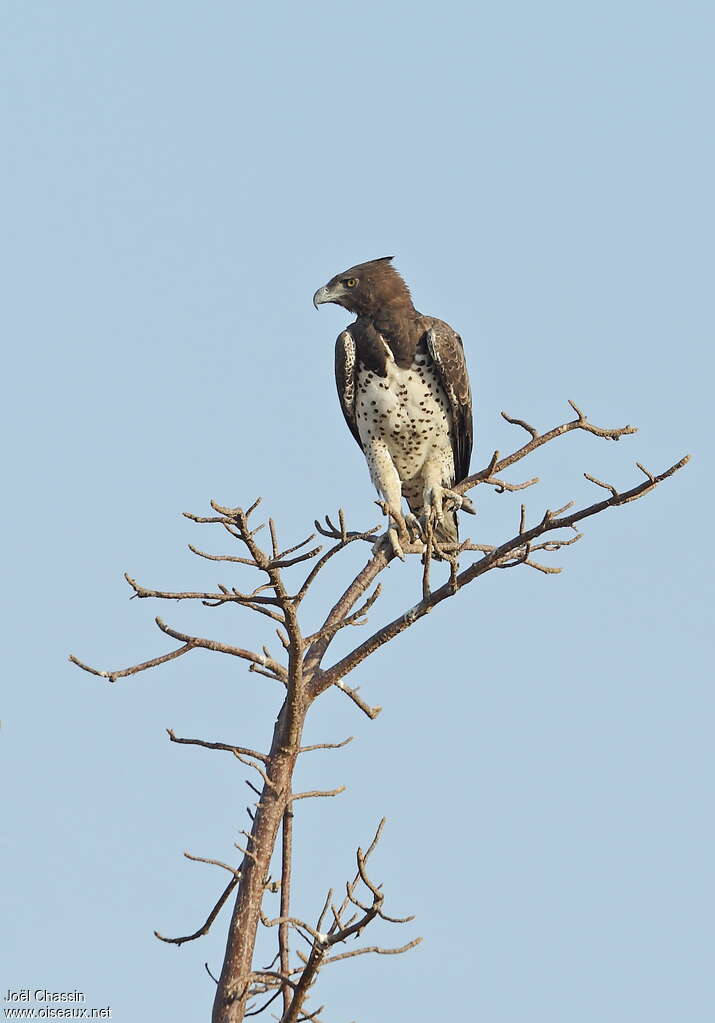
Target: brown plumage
404, 391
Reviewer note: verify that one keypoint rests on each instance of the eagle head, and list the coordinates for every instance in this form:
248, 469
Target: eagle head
366, 288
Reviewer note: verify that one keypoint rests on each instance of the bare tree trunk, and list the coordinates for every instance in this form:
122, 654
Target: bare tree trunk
234, 982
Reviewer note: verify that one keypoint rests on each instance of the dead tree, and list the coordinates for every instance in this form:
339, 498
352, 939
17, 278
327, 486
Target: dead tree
243, 988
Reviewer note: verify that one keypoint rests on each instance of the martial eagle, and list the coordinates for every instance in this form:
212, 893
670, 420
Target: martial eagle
404, 390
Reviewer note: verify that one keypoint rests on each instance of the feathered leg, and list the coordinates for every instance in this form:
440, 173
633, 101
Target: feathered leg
387, 481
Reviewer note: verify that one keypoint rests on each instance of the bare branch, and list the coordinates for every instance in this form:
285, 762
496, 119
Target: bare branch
274, 539
214, 863
493, 560
342, 608
606, 486
222, 648
322, 562
311, 1016
502, 485
299, 559
291, 921
356, 618
266, 674
246, 853
223, 596
236, 750
220, 519
114, 675
317, 793
265, 1005
581, 423
250, 510
296, 547
520, 422
546, 569
373, 948
285, 642
326, 745
338, 932
342, 534
220, 557
268, 612
352, 694
209, 920
257, 767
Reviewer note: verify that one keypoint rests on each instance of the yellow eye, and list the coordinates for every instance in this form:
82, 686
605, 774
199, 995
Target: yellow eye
351, 282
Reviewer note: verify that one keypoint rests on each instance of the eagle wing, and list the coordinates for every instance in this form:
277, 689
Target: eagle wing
346, 379
445, 346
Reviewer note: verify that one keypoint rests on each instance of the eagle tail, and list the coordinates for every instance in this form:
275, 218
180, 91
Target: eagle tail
445, 532
448, 530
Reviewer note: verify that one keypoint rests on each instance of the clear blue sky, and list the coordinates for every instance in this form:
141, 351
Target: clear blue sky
178, 179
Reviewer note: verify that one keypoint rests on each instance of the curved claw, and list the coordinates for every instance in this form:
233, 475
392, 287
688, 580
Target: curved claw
440, 500
391, 540
414, 527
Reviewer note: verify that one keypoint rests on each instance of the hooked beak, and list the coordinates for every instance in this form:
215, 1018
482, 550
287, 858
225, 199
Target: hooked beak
322, 296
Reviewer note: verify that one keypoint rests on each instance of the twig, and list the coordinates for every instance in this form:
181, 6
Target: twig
214, 863
209, 920
352, 694
333, 533
257, 767
317, 793
236, 750
257, 1012
233, 558
502, 485
222, 648
222, 597
114, 675
326, 745
606, 486
520, 422
356, 618
296, 547
374, 949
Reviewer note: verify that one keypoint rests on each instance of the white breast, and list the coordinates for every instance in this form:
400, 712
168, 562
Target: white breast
406, 411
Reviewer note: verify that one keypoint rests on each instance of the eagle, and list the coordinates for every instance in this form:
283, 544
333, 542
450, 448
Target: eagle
404, 392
